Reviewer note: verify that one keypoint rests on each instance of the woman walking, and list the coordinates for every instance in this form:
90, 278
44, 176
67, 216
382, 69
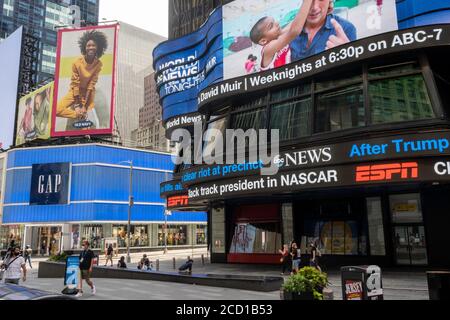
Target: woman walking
296, 257
315, 255
285, 260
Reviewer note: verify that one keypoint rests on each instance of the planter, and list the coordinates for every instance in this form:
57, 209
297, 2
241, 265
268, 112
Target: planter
302, 296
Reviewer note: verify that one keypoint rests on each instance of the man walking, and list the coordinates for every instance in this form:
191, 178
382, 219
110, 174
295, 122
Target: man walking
13, 265
27, 255
109, 255
86, 264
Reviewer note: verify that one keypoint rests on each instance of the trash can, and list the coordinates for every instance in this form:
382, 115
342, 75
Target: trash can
362, 283
439, 285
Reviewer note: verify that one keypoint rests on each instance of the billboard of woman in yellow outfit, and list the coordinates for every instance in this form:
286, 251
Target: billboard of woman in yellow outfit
84, 86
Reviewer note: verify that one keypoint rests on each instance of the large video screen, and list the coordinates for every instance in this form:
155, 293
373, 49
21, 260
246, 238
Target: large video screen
263, 35
10, 53
84, 81
246, 37
34, 115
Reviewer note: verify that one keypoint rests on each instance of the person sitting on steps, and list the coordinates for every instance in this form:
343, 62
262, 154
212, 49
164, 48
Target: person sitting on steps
187, 266
145, 263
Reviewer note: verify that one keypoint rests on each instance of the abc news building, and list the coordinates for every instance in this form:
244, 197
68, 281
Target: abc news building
364, 162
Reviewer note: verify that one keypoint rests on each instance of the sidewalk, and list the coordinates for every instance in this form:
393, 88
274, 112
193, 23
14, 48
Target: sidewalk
398, 284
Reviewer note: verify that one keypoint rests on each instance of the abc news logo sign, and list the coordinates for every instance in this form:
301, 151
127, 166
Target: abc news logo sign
50, 184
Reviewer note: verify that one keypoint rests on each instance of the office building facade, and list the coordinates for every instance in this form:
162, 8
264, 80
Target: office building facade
41, 19
186, 16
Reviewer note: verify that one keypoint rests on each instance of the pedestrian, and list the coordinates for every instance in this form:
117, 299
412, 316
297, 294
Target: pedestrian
121, 264
187, 266
13, 266
43, 248
109, 255
145, 263
285, 260
86, 265
27, 255
296, 257
315, 257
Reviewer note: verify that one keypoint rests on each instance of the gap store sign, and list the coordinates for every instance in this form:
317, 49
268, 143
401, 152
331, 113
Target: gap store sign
50, 184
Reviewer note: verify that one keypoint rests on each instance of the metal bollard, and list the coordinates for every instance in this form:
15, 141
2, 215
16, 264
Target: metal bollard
328, 294
157, 264
203, 259
174, 264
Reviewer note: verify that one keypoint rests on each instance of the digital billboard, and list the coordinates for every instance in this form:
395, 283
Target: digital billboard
263, 35
186, 66
10, 51
84, 94
236, 41
34, 115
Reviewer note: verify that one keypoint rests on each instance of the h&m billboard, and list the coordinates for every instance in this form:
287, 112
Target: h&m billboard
34, 115
85, 81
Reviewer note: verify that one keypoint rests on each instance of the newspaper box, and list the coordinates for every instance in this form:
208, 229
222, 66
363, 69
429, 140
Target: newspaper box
362, 283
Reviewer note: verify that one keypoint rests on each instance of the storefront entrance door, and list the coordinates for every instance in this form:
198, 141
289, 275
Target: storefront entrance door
410, 245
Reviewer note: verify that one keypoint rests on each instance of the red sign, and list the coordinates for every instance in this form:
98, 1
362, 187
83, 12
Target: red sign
387, 172
354, 290
177, 201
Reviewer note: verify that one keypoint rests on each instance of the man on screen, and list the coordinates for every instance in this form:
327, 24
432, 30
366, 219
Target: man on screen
323, 30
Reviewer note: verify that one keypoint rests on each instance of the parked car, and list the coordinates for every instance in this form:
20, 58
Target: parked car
14, 292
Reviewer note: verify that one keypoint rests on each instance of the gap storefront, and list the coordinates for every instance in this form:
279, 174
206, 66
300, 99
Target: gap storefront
56, 197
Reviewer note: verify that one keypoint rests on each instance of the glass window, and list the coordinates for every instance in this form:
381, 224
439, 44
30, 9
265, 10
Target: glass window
334, 237
393, 70
342, 81
254, 103
120, 232
9, 234
218, 230
210, 136
176, 235
256, 238
139, 235
406, 208
93, 234
400, 99
255, 119
339, 110
292, 119
291, 92
201, 231
376, 227
75, 237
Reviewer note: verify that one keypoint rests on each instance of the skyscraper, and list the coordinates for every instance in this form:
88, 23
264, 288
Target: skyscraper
134, 64
41, 19
186, 16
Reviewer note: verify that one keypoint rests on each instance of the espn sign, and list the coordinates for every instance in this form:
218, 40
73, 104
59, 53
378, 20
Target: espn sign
177, 201
387, 172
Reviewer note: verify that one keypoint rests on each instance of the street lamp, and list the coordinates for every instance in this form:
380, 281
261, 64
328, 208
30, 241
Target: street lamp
130, 204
